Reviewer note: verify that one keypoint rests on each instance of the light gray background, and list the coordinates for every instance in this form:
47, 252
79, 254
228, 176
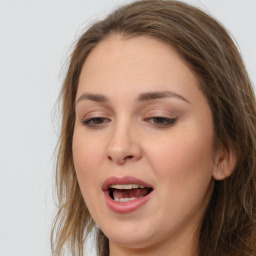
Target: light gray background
35, 40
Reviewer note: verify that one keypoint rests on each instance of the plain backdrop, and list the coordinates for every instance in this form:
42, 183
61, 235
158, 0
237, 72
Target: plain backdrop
36, 38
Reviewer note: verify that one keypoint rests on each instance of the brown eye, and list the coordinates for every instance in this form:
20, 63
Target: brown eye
161, 121
95, 122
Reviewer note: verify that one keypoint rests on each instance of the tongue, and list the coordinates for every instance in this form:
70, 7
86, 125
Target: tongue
130, 193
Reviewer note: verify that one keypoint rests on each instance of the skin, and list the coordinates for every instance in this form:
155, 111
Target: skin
128, 137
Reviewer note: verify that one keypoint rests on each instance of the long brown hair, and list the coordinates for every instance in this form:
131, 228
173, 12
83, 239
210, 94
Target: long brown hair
229, 224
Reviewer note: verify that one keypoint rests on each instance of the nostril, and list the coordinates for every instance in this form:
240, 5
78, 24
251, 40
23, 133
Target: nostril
128, 157
120, 160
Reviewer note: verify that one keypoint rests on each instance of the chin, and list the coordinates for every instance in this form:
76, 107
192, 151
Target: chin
130, 241
130, 236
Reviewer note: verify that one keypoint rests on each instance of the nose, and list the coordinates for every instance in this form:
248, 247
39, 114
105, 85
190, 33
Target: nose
123, 145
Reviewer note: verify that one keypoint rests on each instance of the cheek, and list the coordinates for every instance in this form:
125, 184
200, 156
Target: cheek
87, 158
183, 167
184, 157
87, 151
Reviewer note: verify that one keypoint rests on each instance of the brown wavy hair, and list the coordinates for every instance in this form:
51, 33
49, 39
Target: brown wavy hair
229, 224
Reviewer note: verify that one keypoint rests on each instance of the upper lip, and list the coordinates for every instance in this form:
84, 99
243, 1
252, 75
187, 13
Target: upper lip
123, 180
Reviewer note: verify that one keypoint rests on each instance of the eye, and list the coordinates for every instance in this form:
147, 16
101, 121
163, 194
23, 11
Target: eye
161, 121
95, 122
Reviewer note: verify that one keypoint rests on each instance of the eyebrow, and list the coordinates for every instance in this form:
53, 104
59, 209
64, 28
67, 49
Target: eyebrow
147, 96
92, 97
159, 95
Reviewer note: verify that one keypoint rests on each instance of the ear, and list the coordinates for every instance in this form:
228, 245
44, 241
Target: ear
224, 164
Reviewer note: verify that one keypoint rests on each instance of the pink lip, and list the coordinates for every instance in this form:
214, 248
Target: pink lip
124, 207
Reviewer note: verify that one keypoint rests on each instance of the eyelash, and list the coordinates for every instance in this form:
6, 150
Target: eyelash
162, 122
90, 122
159, 121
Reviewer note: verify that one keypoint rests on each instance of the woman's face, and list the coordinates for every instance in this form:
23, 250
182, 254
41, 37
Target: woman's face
142, 144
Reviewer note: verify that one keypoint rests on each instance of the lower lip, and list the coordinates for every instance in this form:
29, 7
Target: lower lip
126, 207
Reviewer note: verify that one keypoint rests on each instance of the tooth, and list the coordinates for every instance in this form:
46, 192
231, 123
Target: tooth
126, 186
123, 200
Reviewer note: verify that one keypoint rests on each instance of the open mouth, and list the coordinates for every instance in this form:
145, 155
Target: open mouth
127, 192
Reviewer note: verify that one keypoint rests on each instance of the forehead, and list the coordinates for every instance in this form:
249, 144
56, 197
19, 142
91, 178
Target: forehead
135, 53
139, 64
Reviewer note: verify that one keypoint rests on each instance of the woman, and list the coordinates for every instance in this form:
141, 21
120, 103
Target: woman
157, 146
